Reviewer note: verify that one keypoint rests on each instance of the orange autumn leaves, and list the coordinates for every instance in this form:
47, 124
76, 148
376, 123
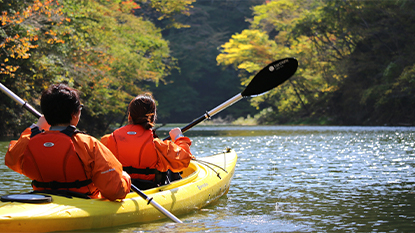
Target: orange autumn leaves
19, 33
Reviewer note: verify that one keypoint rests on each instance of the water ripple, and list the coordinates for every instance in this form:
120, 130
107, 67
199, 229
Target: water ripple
302, 179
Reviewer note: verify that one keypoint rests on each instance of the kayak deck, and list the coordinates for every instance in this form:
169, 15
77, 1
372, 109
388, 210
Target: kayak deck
204, 181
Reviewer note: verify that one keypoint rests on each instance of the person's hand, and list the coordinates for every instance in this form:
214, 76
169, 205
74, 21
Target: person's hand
127, 178
175, 134
42, 123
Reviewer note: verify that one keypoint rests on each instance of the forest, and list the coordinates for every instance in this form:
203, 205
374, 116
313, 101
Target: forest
355, 62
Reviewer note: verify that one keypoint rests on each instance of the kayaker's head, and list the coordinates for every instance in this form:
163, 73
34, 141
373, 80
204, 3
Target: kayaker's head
60, 105
142, 111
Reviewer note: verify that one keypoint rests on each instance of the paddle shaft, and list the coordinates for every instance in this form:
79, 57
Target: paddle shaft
271, 76
212, 112
155, 204
20, 101
135, 189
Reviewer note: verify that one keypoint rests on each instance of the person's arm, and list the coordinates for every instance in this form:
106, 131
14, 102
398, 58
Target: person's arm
109, 141
179, 139
175, 155
14, 155
104, 139
106, 170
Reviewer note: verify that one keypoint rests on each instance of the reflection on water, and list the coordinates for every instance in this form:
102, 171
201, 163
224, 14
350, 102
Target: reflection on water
298, 179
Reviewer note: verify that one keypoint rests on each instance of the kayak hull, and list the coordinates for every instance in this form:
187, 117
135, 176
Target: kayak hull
203, 182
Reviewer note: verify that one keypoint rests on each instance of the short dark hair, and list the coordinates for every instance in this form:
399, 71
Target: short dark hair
142, 110
58, 103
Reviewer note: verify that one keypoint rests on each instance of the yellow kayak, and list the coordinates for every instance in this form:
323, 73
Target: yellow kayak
204, 181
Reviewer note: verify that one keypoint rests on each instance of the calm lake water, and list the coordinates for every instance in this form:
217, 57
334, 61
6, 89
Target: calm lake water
296, 179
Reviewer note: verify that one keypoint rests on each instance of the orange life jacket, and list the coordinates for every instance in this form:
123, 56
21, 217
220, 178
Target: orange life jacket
136, 151
51, 161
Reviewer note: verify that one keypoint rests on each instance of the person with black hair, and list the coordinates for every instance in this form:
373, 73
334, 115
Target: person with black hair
60, 159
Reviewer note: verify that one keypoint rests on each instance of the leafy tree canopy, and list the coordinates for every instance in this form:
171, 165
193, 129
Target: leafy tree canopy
353, 55
98, 47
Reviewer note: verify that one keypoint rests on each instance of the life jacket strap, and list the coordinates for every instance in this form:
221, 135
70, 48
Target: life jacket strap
61, 185
145, 171
70, 130
144, 184
35, 131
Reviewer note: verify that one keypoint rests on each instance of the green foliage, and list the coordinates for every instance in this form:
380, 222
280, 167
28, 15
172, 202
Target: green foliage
200, 85
165, 13
98, 47
350, 55
25, 29
127, 54
383, 50
269, 39
356, 61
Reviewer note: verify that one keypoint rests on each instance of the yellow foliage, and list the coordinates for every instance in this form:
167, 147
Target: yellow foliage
329, 89
252, 49
17, 46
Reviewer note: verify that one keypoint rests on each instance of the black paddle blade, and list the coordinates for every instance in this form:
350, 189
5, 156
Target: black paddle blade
271, 76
